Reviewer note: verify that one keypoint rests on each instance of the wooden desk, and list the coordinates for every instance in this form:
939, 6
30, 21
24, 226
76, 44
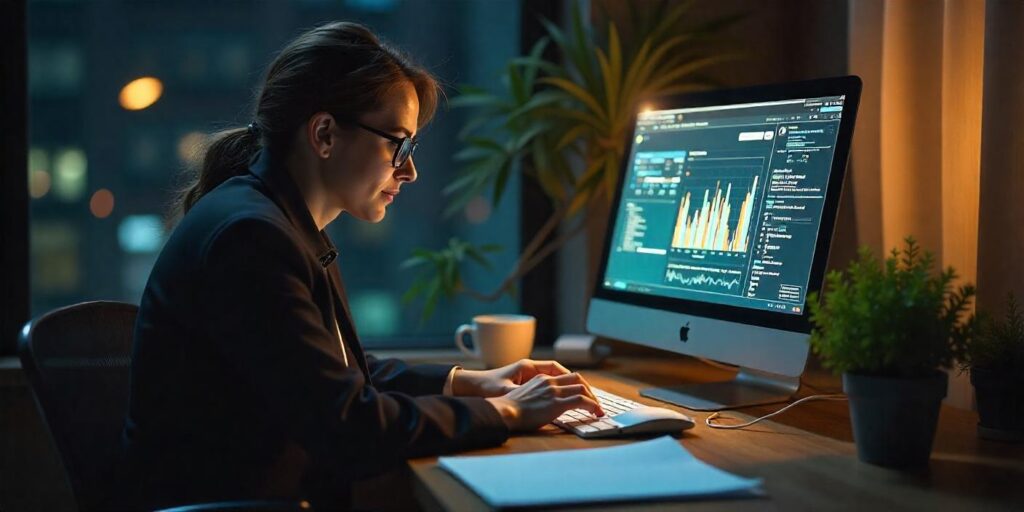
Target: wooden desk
806, 456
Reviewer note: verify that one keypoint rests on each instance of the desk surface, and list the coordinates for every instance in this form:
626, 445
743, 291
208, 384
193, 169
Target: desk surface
805, 456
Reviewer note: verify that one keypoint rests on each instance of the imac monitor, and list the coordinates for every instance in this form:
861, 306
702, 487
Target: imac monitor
721, 227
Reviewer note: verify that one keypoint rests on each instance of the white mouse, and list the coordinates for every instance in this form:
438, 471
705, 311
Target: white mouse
645, 420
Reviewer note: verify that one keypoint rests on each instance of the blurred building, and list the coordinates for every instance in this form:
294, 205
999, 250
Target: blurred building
108, 150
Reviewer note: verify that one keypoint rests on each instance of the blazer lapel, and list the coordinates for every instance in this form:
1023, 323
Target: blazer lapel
285, 193
348, 329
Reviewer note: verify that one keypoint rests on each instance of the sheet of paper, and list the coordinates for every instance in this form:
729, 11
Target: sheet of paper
649, 470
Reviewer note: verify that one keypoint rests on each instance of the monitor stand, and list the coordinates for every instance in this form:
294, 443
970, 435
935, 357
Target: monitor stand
749, 387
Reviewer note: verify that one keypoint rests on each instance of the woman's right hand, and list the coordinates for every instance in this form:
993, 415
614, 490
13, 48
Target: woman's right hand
543, 398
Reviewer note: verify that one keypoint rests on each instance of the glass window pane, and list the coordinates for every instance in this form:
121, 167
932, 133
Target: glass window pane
123, 92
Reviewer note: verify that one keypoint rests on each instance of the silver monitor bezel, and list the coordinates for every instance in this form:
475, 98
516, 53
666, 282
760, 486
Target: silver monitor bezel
761, 339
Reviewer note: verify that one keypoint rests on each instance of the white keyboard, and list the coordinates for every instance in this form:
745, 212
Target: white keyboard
623, 417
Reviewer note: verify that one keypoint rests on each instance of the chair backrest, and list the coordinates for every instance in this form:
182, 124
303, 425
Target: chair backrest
77, 360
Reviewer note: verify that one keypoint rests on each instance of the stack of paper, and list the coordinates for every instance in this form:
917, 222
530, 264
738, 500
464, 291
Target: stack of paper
658, 469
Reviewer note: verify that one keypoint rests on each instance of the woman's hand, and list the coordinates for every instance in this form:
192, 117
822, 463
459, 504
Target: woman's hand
542, 399
500, 381
528, 393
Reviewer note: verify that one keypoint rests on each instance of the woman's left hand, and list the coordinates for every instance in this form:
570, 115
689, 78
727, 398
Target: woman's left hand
499, 381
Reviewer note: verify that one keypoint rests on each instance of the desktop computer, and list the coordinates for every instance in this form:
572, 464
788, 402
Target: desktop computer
721, 227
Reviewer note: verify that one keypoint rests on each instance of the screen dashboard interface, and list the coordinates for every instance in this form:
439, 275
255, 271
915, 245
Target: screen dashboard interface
723, 204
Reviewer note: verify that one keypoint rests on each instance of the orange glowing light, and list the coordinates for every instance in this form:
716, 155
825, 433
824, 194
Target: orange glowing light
141, 93
38, 183
102, 203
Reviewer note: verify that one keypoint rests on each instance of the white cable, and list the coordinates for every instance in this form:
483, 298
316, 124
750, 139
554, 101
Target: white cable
716, 415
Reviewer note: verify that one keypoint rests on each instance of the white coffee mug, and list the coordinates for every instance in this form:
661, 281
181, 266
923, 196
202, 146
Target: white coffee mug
498, 340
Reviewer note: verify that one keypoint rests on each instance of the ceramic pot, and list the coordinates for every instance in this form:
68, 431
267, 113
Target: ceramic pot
894, 418
1000, 397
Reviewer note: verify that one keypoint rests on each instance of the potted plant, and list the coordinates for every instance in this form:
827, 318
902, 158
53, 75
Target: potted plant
562, 121
890, 327
995, 359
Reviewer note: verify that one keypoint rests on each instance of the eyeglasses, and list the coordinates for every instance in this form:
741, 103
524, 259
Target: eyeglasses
405, 146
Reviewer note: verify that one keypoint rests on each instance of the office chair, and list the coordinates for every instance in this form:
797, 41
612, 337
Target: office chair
77, 360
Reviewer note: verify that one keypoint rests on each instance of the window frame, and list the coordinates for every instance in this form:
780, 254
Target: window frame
14, 178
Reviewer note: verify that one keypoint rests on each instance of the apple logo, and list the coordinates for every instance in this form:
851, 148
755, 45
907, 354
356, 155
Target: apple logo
684, 333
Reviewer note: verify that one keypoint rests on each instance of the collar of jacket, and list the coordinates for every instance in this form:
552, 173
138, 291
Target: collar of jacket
286, 194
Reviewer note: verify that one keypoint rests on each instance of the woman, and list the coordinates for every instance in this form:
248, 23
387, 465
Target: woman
248, 378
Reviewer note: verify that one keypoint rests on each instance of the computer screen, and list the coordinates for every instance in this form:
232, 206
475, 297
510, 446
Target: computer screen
720, 229
723, 203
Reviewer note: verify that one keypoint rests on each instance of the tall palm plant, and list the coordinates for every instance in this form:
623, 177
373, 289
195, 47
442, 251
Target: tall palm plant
563, 122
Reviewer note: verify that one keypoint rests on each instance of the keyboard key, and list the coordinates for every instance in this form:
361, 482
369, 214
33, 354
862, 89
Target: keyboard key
581, 422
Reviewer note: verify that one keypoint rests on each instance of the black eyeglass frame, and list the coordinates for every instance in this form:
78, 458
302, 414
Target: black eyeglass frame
407, 144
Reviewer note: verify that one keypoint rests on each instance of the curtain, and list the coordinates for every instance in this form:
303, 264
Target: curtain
936, 153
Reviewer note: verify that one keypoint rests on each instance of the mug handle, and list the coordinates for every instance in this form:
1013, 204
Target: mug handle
459, 334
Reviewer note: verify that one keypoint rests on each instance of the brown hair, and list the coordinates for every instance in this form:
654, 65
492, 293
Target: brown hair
340, 68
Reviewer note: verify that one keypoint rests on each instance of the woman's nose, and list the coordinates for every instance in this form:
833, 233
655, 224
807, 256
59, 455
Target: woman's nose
407, 172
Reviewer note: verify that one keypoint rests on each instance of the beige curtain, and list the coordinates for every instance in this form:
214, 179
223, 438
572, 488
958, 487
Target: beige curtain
938, 149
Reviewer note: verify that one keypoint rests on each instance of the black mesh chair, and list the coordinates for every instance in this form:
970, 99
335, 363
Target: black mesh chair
77, 360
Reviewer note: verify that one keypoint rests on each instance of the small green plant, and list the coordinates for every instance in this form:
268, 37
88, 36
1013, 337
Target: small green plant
896, 318
998, 344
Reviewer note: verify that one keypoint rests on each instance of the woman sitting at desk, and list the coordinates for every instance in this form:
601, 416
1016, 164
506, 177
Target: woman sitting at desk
248, 378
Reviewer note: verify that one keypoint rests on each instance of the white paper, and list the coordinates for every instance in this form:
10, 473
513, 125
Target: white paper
649, 470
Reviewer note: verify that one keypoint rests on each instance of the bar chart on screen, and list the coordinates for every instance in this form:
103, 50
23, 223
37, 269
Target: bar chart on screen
716, 213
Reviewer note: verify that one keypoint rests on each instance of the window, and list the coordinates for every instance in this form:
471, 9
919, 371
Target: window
103, 165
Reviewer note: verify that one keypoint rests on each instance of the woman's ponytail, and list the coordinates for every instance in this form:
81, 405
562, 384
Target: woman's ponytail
225, 155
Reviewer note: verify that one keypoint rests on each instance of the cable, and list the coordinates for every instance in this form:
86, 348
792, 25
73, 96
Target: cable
708, 420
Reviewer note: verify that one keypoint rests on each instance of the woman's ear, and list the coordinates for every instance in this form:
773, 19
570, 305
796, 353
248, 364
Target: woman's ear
318, 133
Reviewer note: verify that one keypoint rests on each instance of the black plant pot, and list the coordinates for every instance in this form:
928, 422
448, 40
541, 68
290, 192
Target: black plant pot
894, 419
1000, 396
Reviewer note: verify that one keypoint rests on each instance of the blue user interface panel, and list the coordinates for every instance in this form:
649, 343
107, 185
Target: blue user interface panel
723, 204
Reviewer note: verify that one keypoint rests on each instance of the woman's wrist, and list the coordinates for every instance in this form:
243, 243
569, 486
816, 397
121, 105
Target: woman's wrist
464, 382
507, 409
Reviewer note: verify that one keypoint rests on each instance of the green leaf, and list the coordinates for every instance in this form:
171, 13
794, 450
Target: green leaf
579, 49
516, 85
472, 153
554, 32
591, 175
538, 100
538, 64
638, 70
485, 142
500, 182
528, 135
579, 93
467, 182
581, 199
413, 291
475, 100
433, 293
414, 261
573, 115
475, 124
551, 186
668, 77
534, 61
477, 255
613, 76
571, 135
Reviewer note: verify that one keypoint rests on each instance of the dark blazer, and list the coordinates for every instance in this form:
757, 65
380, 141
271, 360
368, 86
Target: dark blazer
239, 387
